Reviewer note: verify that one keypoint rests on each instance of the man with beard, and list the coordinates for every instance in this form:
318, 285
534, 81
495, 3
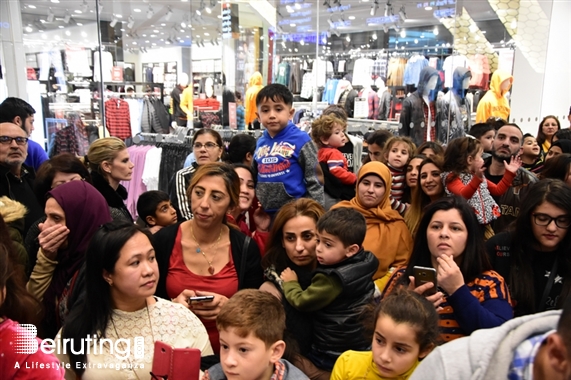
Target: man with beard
17, 179
508, 143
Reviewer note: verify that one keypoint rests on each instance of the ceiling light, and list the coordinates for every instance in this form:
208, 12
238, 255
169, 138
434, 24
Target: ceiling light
348, 39
150, 12
113, 22
385, 28
77, 11
137, 10
131, 22
374, 8
83, 34
55, 1
403, 33
374, 36
206, 34
297, 6
198, 12
134, 42
51, 15
29, 29
292, 25
32, 6
435, 31
60, 26
208, 10
428, 8
169, 14
351, 17
513, 24
402, 13
67, 33
302, 42
79, 24
67, 16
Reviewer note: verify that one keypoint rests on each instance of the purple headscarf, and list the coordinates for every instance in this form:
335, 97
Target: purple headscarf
85, 211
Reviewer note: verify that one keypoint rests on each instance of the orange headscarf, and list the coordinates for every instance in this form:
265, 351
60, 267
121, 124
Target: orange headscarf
388, 237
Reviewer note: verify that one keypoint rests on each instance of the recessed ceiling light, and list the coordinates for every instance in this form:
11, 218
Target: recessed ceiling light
83, 34
206, 34
29, 29
163, 24
67, 33
137, 10
153, 35
155, 31
55, 1
122, 30
60, 26
428, 8
79, 24
134, 42
32, 6
154, 44
292, 25
147, 41
351, 17
78, 11
144, 35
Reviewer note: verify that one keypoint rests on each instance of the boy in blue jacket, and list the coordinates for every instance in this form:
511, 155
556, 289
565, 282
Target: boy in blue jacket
285, 158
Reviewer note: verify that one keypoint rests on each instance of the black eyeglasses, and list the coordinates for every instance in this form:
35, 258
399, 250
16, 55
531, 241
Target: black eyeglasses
7, 140
208, 145
545, 220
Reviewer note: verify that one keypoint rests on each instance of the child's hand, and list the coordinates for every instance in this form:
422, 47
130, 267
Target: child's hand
262, 220
480, 172
514, 165
288, 275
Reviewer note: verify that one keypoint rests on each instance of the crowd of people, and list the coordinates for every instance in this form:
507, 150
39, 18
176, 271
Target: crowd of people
271, 259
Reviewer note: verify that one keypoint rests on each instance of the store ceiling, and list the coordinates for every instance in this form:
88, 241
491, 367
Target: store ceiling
156, 23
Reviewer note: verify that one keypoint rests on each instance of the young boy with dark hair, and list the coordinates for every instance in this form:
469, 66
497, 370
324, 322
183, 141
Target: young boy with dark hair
155, 209
341, 286
531, 157
285, 158
485, 133
251, 326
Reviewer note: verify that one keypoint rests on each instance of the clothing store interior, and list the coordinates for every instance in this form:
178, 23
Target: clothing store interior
156, 74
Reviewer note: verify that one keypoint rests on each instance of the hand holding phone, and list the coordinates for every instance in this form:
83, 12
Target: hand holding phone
200, 299
423, 275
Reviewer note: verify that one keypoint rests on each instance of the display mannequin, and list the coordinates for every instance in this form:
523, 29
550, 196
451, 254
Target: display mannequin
418, 115
251, 93
454, 108
372, 99
494, 103
178, 114
187, 106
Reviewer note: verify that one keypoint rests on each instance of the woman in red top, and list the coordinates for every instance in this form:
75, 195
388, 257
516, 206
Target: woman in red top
204, 256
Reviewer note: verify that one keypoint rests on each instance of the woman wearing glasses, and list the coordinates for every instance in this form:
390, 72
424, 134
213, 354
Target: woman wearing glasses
533, 257
207, 146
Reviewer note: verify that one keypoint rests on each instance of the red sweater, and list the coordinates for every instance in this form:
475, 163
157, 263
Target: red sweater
337, 164
455, 186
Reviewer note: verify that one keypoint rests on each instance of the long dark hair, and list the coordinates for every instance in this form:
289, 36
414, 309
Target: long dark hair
540, 135
474, 258
521, 282
557, 167
18, 305
240, 145
92, 315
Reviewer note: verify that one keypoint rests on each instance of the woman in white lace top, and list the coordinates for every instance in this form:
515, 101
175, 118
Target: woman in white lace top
119, 313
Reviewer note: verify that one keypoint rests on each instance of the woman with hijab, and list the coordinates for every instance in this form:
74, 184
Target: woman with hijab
74, 211
388, 237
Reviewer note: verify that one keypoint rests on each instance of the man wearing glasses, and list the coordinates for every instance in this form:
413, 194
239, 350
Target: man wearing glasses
17, 179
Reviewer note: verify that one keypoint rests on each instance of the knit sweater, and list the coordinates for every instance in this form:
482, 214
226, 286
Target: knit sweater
397, 189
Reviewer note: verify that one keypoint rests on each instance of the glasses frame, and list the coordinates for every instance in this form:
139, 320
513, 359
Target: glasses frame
9, 142
551, 219
198, 147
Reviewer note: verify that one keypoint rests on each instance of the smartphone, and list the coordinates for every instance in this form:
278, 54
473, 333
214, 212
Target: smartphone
200, 299
422, 275
175, 363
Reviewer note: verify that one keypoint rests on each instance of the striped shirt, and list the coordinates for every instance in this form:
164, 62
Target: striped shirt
397, 189
493, 307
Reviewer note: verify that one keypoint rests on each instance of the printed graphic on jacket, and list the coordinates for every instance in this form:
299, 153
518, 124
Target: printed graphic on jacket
274, 160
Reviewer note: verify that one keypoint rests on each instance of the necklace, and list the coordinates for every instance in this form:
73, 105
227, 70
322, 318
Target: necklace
199, 250
123, 348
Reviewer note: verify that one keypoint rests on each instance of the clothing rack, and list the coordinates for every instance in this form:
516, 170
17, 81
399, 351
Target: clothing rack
365, 125
158, 137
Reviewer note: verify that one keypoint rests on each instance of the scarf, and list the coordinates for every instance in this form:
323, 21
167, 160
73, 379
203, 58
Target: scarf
388, 237
85, 211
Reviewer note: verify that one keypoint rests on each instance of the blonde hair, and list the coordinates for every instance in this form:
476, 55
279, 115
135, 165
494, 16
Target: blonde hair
323, 127
101, 150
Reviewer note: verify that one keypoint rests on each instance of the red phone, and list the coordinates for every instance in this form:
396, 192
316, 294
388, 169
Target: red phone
175, 363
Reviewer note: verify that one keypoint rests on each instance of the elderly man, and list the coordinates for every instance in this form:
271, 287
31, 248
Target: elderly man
17, 179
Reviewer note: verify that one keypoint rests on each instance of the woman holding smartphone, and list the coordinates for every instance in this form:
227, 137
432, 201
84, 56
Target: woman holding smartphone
470, 294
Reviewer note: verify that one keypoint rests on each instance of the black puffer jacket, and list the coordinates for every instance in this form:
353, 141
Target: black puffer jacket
337, 327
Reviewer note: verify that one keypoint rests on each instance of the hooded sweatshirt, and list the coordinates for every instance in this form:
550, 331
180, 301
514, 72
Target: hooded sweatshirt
454, 109
486, 354
413, 110
13, 214
494, 103
253, 88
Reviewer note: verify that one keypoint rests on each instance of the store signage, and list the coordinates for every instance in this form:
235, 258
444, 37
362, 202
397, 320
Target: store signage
300, 14
339, 8
310, 38
287, 21
117, 74
230, 20
438, 3
383, 20
444, 13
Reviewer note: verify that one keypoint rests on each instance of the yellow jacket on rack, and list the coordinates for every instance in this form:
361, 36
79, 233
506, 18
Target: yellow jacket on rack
253, 89
186, 102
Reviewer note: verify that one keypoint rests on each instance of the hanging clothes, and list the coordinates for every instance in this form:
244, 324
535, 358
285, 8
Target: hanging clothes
150, 122
106, 66
413, 68
307, 86
152, 167
295, 77
362, 72
395, 71
384, 99
172, 160
480, 68
451, 63
250, 104
135, 187
454, 110
162, 114
329, 92
282, 73
118, 118
136, 112
379, 68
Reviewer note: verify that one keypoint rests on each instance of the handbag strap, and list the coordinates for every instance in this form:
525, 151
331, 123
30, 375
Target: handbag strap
243, 257
548, 286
